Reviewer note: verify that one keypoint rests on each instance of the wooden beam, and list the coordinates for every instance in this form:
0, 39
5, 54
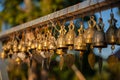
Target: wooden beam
85, 7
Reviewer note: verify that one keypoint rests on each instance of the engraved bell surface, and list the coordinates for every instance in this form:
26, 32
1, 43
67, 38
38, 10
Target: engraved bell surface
111, 32
99, 35
89, 32
79, 42
70, 35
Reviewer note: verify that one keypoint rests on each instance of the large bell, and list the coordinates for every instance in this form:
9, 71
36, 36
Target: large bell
79, 42
111, 32
70, 35
89, 32
99, 36
118, 36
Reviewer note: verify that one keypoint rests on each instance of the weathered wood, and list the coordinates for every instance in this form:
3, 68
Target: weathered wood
85, 8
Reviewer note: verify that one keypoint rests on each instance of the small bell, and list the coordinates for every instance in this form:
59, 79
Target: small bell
99, 36
52, 42
110, 33
118, 36
61, 39
79, 42
59, 51
90, 31
20, 47
18, 60
70, 35
39, 47
2, 55
29, 43
23, 49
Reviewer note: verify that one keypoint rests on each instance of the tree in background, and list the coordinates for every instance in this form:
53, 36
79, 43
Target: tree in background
16, 12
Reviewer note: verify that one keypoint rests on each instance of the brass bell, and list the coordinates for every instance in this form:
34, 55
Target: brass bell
2, 55
23, 49
51, 46
45, 44
61, 38
89, 32
29, 43
70, 35
9, 45
99, 36
118, 36
20, 46
52, 42
32, 46
39, 47
4, 47
59, 52
79, 42
15, 49
110, 33
18, 60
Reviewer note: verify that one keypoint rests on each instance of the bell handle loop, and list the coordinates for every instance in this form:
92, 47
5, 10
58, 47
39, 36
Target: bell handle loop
71, 26
94, 22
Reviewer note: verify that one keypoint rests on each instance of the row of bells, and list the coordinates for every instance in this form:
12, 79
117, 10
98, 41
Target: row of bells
94, 35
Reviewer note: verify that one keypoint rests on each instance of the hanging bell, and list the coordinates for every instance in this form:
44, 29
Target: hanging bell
39, 47
118, 36
23, 49
61, 39
20, 47
2, 55
29, 43
110, 33
99, 36
70, 35
45, 43
4, 47
59, 52
79, 42
18, 60
52, 42
89, 32
9, 46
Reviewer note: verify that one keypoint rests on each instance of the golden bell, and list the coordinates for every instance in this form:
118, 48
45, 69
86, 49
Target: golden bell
29, 43
61, 42
3, 55
32, 46
99, 36
9, 46
59, 52
51, 46
118, 36
79, 42
110, 33
4, 47
23, 49
18, 60
70, 35
39, 47
15, 49
20, 46
45, 44
90, 31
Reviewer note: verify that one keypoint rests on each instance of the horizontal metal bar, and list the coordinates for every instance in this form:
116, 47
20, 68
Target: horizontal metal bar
80, 8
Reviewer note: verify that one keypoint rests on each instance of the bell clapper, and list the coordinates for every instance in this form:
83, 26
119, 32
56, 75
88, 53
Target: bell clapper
112, 48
